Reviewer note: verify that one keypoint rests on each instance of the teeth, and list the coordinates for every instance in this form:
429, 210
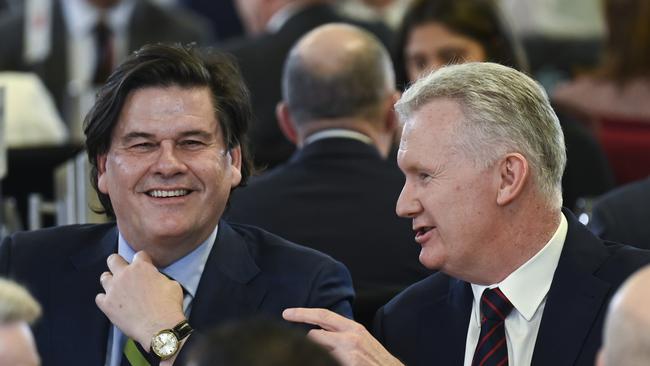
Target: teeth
159, 193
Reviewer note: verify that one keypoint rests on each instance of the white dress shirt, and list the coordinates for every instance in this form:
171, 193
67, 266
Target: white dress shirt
526, 288
337, 133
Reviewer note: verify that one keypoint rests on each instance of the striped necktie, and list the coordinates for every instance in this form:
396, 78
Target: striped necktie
132, 355
492, 349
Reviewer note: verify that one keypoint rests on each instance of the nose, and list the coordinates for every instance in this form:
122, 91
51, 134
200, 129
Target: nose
407, 203
168, 162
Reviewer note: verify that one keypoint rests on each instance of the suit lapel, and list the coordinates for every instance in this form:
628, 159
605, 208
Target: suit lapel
74, 293
227, 290
574, 300
443, 327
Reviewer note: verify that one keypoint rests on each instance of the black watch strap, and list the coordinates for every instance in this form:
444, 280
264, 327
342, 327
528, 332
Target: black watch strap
182, 330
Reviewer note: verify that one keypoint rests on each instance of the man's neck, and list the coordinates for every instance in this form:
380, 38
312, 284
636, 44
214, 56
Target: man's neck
165, 250
376, 138
524, 236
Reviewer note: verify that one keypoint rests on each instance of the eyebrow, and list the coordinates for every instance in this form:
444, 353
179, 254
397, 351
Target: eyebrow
145, 135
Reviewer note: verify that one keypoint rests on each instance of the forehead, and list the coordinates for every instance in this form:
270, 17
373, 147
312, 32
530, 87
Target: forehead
431, 130
433, 35
435, 121
159, 109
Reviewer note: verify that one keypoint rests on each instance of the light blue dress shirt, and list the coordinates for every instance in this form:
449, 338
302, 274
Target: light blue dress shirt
186, 271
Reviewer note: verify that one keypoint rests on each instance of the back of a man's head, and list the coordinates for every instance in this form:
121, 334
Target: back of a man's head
626, 337
336, 71
18, 310
258, 342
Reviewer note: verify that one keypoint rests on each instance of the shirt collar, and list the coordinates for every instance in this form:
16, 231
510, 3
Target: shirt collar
186, 270
338, 132
527, 286
81, 17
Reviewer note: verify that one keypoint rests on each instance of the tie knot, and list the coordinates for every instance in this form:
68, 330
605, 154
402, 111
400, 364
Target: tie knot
495, 305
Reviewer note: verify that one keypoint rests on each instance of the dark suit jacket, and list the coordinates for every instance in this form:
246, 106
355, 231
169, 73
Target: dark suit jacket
427, 323
623, 215
338, 196
249, 271
261, 60
149, 23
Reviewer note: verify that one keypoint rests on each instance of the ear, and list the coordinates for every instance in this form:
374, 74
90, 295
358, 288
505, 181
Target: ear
102, 182
285, 122
513, 171
234, 155
391, 122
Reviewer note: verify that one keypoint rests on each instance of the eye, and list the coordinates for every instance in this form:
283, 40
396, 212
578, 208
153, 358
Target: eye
191, 144
142, 146
452, 55
424, 177
418, 62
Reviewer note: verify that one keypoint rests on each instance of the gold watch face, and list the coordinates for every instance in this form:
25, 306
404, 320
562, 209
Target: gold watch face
164, 344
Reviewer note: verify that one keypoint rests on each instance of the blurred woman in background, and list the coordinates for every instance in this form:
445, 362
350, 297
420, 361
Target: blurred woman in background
435, 33
614, 99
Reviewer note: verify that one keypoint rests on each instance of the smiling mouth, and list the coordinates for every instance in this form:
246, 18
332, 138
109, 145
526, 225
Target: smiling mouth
162, 193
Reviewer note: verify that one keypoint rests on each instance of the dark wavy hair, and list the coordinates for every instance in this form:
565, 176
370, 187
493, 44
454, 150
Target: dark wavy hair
627, 51
159, 65
476, 19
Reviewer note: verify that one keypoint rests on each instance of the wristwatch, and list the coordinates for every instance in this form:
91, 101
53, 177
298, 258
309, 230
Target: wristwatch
165, 343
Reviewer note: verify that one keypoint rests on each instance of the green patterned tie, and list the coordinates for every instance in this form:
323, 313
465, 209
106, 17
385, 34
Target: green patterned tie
133, 355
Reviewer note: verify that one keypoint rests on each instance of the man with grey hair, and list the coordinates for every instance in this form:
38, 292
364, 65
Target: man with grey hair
338, 96
521, 281
626, 338
18, 310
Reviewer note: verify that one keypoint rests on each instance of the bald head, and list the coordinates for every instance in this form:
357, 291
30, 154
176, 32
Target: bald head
336, 71
627, 327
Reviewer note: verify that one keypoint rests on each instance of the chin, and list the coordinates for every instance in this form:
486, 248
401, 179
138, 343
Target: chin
430, 260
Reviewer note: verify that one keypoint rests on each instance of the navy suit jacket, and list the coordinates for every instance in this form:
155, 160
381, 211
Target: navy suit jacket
338, 196
248, 272
427, 323
623, 215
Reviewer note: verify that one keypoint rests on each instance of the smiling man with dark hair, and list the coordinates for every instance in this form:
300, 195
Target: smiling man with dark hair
166, 140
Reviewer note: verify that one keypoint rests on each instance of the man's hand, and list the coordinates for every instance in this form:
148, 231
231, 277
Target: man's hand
138, 299
348, 341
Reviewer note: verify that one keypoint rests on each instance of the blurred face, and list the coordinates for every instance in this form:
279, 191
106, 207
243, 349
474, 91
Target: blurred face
252, 14
432, 45
450, 200
168, 172
17, 347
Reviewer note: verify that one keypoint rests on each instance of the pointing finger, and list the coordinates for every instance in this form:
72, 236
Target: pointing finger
324, 318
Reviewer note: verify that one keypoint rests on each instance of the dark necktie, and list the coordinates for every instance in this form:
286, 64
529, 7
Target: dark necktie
104, 52
492, 349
